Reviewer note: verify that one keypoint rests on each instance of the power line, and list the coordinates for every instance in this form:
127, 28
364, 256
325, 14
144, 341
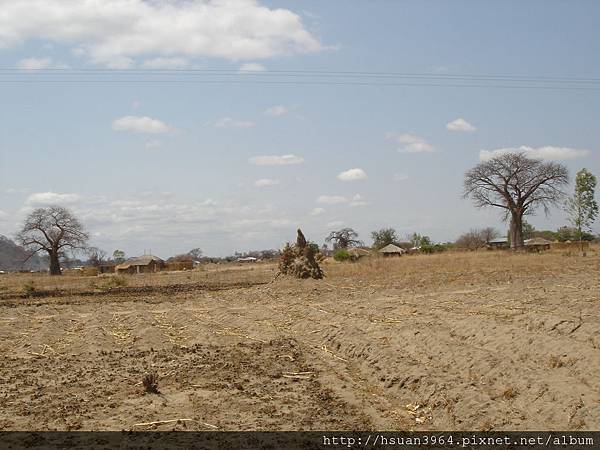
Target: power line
295, 73
303, 82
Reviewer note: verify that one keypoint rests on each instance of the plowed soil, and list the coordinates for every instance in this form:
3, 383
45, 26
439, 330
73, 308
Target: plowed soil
487, 341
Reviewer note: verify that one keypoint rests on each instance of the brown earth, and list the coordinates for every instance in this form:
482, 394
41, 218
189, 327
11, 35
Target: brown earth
486, 341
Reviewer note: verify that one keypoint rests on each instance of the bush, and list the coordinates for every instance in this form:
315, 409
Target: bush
434, 248
29, 287
341, 255
116, 281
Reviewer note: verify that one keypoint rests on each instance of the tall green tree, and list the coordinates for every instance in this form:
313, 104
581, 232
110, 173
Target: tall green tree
582, 206
383, 237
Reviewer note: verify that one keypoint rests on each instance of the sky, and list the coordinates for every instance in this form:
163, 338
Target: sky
227, 124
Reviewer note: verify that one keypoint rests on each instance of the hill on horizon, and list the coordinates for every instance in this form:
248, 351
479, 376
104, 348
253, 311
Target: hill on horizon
13, 256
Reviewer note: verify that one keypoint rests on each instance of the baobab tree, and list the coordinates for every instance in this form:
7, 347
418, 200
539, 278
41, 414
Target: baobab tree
344, 238
53, 230
517, 184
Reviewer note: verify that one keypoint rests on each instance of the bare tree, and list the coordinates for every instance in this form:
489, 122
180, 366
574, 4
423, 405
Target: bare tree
489, 234
344, 238
517, 184
53, 230
476, 239
96, 256
195, 253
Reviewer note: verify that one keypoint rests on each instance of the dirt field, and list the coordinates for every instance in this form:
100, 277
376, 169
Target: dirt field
487, 341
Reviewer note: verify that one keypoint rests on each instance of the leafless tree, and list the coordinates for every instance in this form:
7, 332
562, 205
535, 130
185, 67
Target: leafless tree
476, 239
489, 234
344, 238
96, 256
53, 230
519, 185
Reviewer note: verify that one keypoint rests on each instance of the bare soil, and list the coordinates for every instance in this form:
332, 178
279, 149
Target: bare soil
486, 341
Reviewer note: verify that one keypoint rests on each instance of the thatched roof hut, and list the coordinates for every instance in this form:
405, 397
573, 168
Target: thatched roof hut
392, 250
537, 243
141, 264
357, 253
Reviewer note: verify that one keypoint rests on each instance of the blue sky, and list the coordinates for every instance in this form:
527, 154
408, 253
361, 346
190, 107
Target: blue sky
238, 166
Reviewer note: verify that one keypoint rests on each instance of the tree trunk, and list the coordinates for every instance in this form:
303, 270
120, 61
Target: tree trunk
516, 232
54, 263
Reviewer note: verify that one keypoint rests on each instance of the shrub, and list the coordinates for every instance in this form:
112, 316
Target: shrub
116, 281
150, 382
341, 255
29, 287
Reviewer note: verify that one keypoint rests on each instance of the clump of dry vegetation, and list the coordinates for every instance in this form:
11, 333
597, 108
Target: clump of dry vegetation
150, 382
300, 260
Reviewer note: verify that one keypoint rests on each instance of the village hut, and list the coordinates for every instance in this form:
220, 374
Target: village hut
392, 250
496, 244
537, 244
357, 253
141, 264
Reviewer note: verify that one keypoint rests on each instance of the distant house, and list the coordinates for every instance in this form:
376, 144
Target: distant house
537, 244
496, 244
106, 268
247, 259
392, 250
357, 253
141, 264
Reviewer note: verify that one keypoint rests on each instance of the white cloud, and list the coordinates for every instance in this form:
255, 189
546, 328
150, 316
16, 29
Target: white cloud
358, 200
460, 124
276, 160
139, 124
51, 198
331, 199
151, 145
352, 175
263, 182
116, 32
278, 110
317, 211
252, 67
227, 122
34, 63
335, 223
165, 63
411, 143
545, 153
400, 177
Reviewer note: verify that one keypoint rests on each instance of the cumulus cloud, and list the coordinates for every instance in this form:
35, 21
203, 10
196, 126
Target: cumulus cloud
332, 199
252, 67
276, 160
117, 32
264, 182
358, 200
51, 198
151, 145
34, 63
227, 122
545, 153
278, 110
165, 63
411, 143
352, 175
317, 211
139, 124
460, 124
335, 223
